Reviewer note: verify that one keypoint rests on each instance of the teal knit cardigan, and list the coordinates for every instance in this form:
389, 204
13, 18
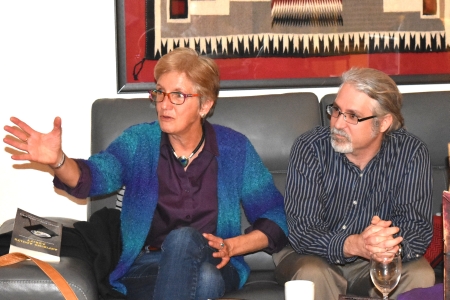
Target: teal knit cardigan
132, 159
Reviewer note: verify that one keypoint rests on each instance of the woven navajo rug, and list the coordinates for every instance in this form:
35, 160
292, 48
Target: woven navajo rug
307, 13
296, 28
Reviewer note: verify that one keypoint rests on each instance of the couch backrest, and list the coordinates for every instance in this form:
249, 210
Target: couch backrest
272, 123
427, 115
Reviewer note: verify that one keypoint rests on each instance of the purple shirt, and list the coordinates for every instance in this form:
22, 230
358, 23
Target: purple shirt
186, 198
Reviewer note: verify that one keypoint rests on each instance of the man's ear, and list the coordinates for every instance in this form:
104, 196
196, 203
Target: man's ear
385, 123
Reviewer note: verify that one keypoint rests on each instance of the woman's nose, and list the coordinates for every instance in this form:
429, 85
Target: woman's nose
166, 101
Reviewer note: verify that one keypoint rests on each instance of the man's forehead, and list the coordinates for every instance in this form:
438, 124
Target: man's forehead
351, 99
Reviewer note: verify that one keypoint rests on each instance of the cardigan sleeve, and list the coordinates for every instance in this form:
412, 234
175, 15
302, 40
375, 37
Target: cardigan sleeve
276, 236
81, 190
107, 171
262, 200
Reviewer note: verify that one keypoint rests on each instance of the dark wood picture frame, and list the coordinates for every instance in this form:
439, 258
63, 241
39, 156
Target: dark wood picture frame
278, 69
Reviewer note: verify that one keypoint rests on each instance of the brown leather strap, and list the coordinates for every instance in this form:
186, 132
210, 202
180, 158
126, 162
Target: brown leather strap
55, 276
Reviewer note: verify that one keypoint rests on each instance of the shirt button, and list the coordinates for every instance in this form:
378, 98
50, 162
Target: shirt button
355, 202
338, 261
360, 174
344, 227
188, 217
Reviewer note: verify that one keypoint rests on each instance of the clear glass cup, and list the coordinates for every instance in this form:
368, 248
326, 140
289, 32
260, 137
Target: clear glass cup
385, 271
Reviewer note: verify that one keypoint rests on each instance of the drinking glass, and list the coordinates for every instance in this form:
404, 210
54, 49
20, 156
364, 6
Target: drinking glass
385, 271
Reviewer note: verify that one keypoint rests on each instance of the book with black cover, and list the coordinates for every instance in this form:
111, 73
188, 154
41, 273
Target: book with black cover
36, 236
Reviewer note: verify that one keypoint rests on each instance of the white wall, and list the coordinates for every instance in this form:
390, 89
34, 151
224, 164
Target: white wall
56, 58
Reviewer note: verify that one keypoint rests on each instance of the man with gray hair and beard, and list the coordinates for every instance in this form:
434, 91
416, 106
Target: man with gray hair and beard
361, 186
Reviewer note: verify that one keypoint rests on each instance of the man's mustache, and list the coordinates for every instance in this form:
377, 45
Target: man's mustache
342, 133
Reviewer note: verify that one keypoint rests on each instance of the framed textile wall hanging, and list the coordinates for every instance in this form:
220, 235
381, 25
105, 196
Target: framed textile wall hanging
286, 43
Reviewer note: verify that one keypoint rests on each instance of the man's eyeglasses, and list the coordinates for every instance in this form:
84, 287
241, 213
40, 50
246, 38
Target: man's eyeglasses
176, 98
348, 117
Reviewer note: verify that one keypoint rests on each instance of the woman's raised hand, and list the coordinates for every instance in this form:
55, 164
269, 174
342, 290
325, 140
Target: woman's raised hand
38, 147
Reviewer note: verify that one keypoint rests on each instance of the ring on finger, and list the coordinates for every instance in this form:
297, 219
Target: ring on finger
222, 245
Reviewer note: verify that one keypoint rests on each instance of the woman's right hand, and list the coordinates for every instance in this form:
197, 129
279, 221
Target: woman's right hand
38, 147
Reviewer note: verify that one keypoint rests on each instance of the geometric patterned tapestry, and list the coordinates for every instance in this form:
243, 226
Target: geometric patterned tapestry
296, 28
306, 13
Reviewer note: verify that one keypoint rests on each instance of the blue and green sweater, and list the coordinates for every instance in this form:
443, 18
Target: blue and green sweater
132, 160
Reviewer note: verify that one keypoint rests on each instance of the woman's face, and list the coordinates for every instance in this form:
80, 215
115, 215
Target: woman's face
179, 119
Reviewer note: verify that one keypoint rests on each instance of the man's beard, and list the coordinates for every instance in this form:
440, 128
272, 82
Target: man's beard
342, 144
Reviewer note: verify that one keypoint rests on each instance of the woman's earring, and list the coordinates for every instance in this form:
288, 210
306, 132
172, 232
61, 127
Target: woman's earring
202, 116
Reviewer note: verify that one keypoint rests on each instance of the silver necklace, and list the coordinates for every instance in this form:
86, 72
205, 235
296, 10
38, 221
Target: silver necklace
184, 161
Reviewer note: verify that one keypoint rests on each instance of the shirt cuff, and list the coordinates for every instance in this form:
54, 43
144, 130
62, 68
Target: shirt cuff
83, 187
275, 235
336, 250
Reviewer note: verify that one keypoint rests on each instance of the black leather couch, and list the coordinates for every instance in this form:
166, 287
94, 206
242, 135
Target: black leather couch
271, 122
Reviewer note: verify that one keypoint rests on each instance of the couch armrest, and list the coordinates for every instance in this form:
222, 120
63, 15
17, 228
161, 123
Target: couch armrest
25, 280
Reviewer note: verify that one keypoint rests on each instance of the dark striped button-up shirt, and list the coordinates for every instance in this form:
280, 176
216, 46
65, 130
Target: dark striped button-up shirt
328, 198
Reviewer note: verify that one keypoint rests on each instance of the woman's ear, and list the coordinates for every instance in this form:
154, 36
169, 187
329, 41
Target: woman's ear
386, 123
206, 106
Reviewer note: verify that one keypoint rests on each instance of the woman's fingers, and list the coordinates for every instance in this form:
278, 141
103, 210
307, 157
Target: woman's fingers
219, 244
22, 125
17, 133
21, 133
37, 147
214, 241
224, 262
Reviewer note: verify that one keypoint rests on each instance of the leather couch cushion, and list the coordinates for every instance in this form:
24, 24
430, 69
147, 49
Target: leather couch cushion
25, 280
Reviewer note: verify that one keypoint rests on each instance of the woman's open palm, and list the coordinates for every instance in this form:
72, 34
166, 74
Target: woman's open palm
36, 146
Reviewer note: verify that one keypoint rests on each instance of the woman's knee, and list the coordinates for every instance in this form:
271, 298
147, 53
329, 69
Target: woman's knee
210, 282
183, 237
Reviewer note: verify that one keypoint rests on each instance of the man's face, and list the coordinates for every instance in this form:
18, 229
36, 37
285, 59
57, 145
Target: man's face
349, 138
